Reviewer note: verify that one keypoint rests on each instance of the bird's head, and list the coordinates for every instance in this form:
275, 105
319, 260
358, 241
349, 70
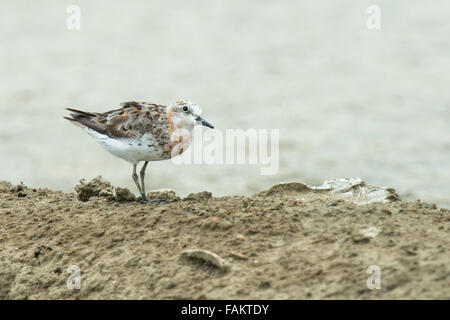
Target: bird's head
185, 115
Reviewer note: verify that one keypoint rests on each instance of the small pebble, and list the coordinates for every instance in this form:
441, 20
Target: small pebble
240, 237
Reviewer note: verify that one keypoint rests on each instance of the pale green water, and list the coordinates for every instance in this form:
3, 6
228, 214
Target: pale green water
348, 101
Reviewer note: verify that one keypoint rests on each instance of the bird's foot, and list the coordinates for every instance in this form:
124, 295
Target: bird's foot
144, 200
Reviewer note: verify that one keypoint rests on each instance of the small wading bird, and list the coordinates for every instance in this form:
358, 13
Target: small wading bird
142, 131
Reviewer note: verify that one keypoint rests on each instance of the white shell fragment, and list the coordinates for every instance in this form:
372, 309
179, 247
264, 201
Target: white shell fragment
348, 189
357, 191
370, 232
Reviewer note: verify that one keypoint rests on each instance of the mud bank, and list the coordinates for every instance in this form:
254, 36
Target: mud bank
290, 242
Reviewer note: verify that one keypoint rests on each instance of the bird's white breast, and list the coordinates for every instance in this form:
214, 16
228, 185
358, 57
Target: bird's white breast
145, 148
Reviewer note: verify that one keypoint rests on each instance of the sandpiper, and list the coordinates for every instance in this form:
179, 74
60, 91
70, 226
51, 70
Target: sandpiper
142, 131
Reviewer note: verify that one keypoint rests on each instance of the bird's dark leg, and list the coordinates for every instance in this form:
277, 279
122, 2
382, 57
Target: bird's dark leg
135, 178
142, 173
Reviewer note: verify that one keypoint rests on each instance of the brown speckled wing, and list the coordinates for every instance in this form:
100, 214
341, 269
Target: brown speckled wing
133, 120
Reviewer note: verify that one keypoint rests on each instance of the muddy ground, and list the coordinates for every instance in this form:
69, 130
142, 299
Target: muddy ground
289, 243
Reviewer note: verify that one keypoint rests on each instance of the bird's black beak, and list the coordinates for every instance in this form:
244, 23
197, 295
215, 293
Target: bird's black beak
204, 122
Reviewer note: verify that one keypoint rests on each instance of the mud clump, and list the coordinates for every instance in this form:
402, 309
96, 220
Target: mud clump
95, 188
292, 243
164, 195
285, 188
21, 190
123, 195
99, 187
200, 196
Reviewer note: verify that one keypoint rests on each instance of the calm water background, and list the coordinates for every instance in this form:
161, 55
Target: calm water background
348, 101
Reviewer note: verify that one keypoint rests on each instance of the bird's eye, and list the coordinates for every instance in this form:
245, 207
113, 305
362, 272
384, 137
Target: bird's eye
185, 108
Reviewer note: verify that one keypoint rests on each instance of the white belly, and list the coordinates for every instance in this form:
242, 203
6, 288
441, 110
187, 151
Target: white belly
145, 148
